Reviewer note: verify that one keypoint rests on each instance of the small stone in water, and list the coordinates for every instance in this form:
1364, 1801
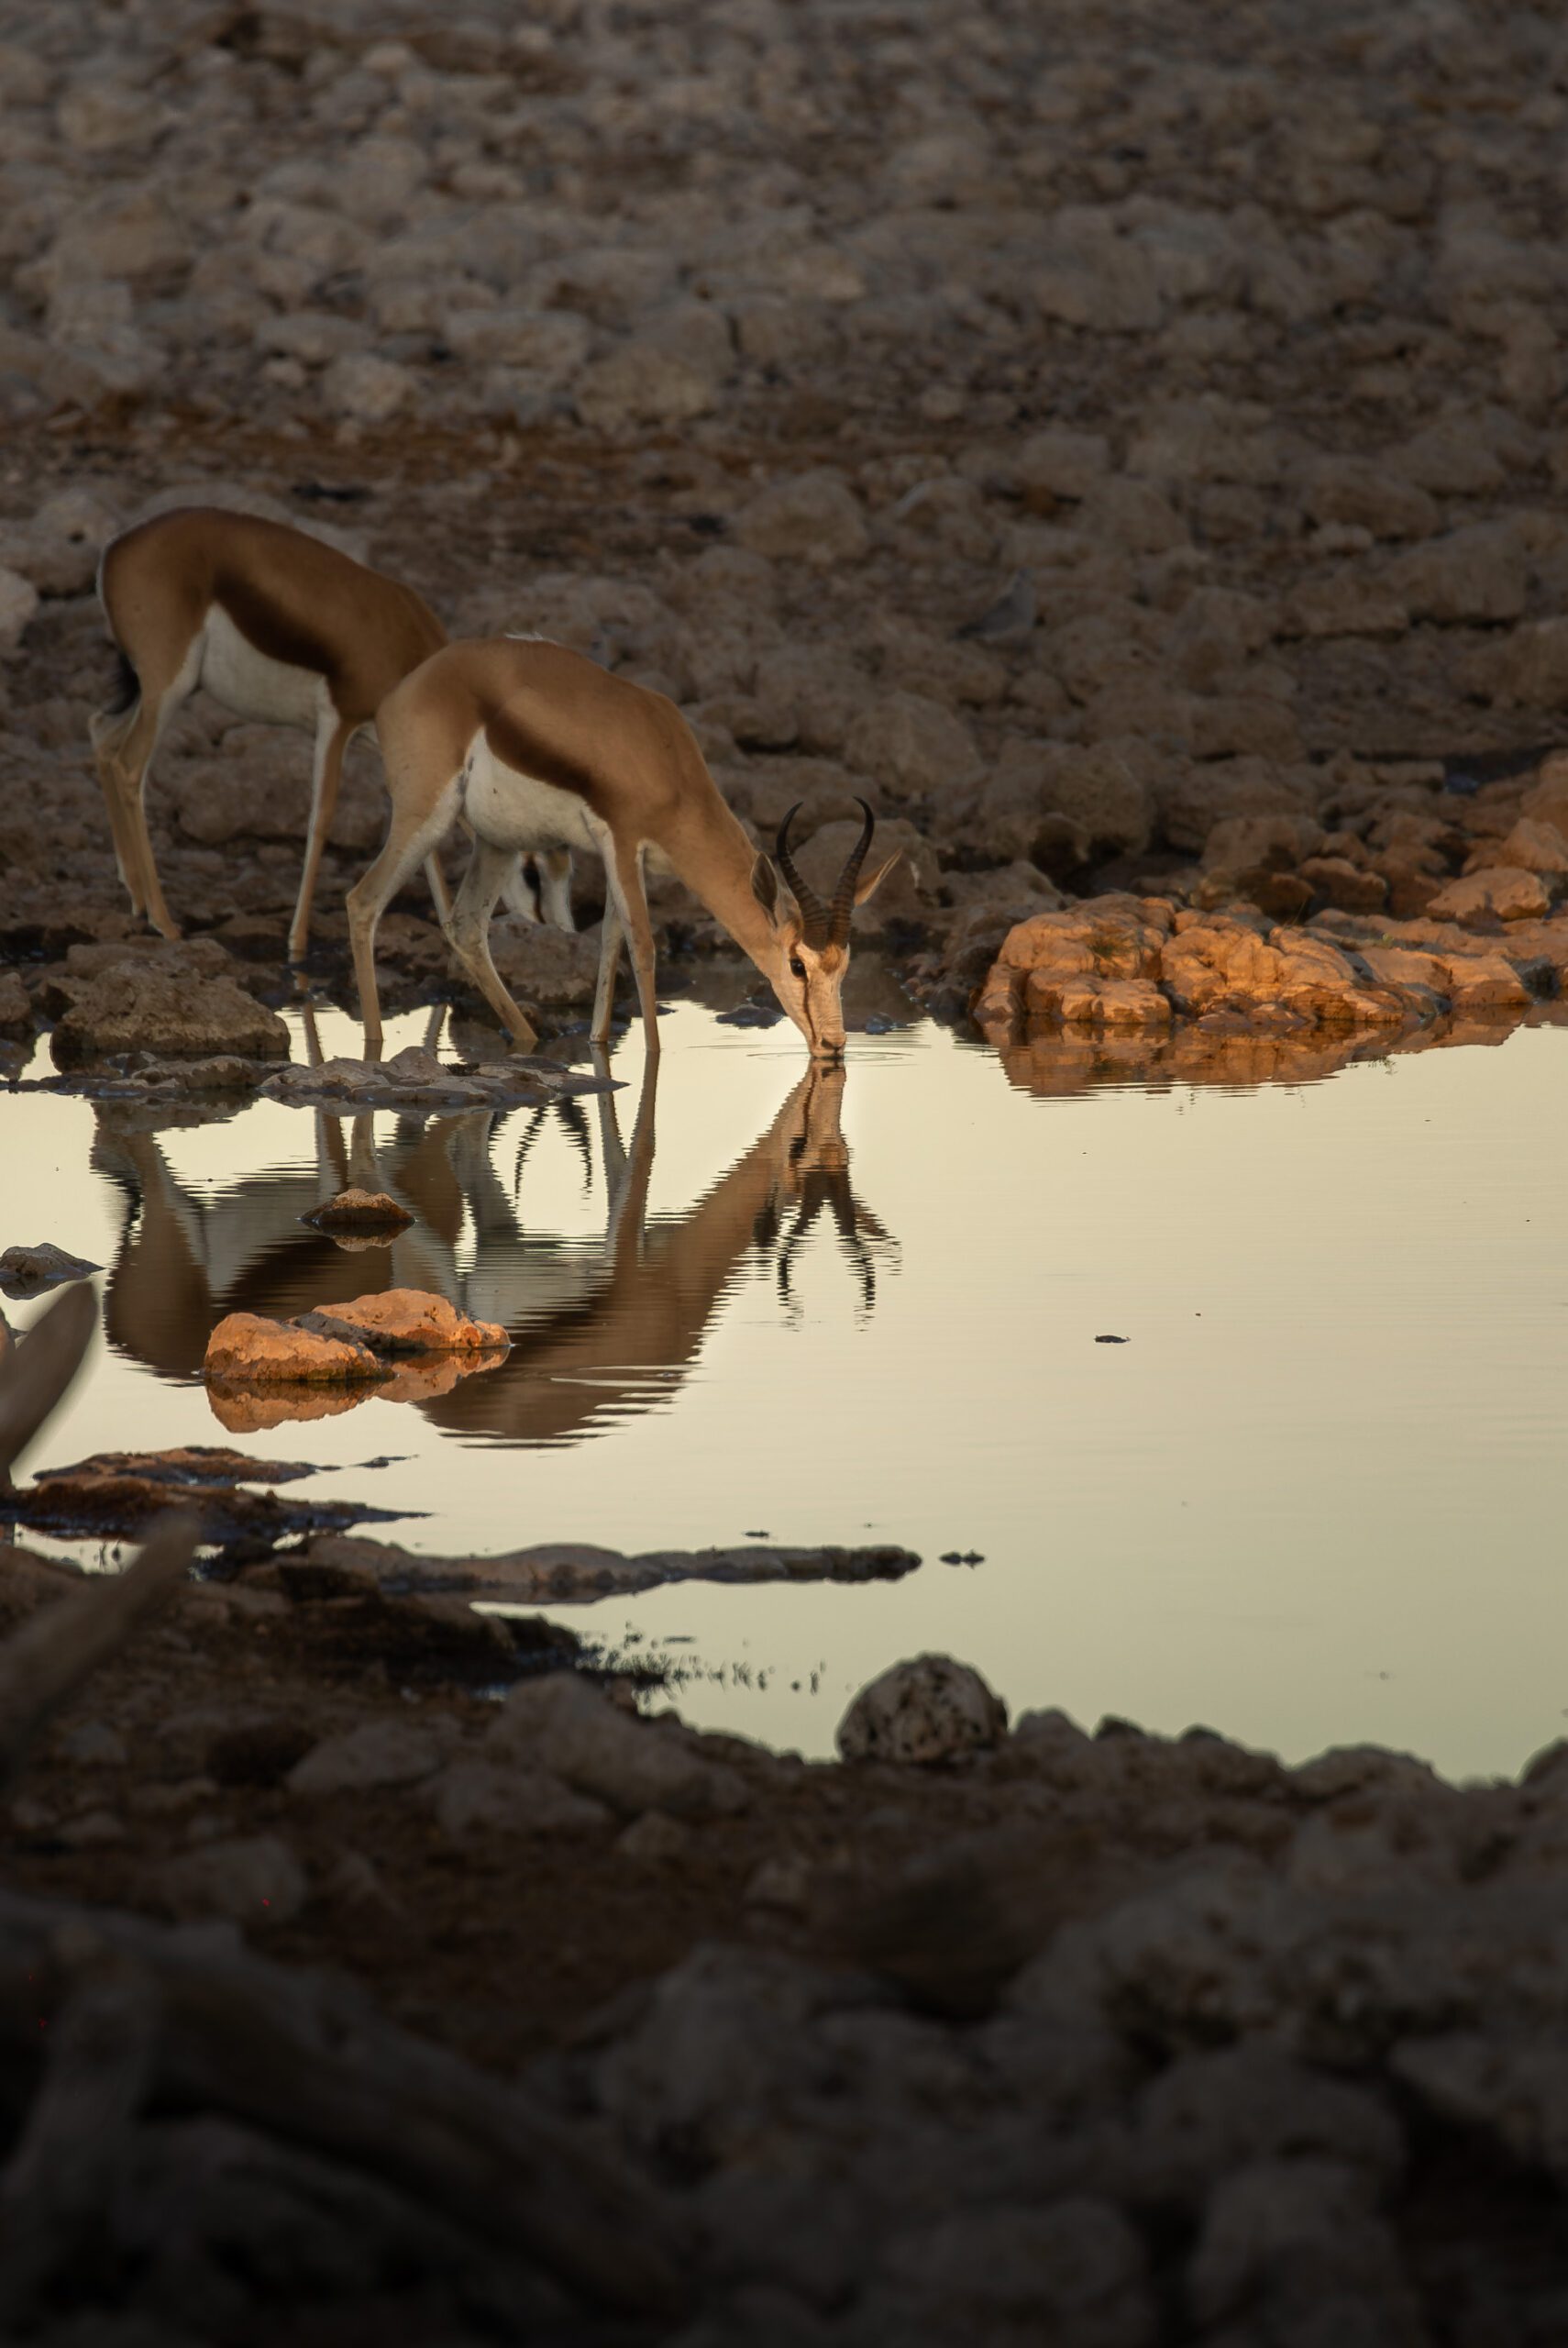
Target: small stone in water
1110, 1341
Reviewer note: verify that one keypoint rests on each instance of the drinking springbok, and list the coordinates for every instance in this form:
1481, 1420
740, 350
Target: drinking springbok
533, 746
278, 626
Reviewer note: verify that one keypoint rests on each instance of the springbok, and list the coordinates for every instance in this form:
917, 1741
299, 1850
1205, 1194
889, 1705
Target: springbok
533, 746
279, 628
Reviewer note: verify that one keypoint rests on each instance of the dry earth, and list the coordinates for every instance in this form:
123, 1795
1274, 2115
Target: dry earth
1127, 445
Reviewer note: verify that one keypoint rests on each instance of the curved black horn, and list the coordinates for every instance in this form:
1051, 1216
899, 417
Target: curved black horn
814, 913
844, 895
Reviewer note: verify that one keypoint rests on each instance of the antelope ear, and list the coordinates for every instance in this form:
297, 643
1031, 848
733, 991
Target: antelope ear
874, 880
777, 901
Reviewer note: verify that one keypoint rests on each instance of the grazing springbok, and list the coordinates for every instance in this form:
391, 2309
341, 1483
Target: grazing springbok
533, 746
279, 628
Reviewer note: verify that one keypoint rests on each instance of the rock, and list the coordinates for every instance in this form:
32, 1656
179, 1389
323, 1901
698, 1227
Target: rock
246, 1349
564, 1725
482, 1798
1274, 843
1531, 846
152, 1008
29, 1271
356, 1210
813, 517
1497, 892
368, 389
548, 346
1339, 882
1062, 463
911, 746
255, 1881
930, 1708
1530, 667
1365, 493
362, 1338
1478, 573
19, 604
379, 1752
544, 967
1097, 791
17, 1018
665, 374
1344, 604
404, 1321
1072, 2273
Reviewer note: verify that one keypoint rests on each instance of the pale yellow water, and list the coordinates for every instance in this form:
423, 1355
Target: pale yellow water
1316, 1497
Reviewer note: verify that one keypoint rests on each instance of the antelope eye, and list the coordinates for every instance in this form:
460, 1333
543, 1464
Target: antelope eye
797, 968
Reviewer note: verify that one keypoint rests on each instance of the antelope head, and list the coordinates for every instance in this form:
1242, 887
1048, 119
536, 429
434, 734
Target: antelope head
808, 954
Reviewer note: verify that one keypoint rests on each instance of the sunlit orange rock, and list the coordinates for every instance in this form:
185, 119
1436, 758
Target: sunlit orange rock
405, 1320
249, 1349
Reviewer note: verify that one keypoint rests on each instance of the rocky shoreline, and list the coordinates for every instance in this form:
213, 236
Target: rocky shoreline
1126, 449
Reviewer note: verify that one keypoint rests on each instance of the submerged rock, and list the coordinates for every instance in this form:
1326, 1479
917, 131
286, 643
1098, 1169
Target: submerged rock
356, 1209
27, 1271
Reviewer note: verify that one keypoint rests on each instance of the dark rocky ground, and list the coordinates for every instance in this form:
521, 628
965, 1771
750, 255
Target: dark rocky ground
1128, 446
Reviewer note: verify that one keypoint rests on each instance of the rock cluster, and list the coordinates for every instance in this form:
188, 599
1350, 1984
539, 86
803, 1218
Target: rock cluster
361, 1339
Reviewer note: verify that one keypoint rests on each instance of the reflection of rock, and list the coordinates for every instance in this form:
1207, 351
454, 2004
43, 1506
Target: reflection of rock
928, 1709
245, 1409
120, 1492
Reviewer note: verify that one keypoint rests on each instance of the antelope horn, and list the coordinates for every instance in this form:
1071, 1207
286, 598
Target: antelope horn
844, 895
814, 913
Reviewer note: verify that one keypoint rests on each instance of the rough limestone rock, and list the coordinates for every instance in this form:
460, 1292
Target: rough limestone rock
930, 1708
564, 1725
1097, 791
816, 518
911, 746
248, 1349
1495, 892
19, 604
16, 1016
405, 1320
379, 1752
253, 1882
363, 1338
152, 1009
482, 1798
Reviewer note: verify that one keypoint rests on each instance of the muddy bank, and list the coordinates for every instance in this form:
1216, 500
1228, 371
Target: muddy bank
1101, 2036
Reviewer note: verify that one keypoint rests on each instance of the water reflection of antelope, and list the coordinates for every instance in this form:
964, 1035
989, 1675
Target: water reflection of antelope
600, 1327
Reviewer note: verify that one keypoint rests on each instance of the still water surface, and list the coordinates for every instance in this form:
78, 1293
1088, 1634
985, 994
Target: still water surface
1316, 1497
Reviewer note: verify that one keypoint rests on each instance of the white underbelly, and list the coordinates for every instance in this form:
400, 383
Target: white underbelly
274, 692
515, 810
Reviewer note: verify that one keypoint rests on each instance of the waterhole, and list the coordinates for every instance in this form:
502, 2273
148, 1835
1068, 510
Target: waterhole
1313, 1496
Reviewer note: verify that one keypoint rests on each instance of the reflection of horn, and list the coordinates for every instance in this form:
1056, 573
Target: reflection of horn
814, 913
844, 895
